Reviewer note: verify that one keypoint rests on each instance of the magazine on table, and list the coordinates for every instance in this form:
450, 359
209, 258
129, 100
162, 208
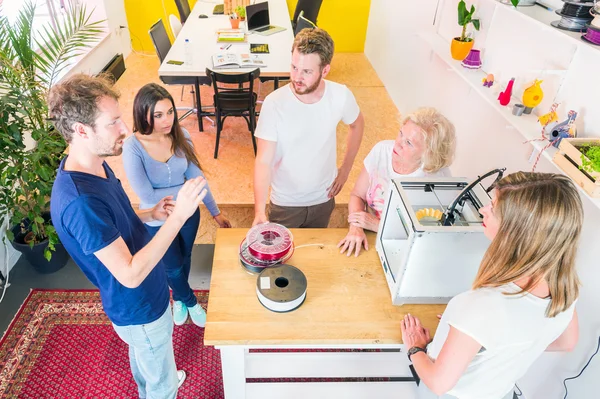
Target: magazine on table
233, 60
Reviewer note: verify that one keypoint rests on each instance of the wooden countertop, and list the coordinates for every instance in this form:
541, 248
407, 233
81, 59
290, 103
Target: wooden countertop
347, 302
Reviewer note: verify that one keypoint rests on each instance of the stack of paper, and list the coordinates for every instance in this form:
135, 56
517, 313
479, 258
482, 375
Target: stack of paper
232, 35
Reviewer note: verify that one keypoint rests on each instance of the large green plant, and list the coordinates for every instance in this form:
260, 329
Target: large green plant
30, 147
465, 17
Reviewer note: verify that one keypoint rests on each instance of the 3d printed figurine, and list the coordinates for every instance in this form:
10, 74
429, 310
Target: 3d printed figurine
473, 60
532, 96
504, 97
558, 131
550, 117
488, 81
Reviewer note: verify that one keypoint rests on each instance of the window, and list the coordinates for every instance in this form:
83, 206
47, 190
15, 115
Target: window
49, 12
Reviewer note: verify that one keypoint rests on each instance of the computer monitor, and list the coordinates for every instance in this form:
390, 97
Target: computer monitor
257, 15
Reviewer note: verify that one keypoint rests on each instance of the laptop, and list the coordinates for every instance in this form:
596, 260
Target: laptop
257, 19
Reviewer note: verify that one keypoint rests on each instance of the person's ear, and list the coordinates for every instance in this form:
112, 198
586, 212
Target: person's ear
325, 70
81, 130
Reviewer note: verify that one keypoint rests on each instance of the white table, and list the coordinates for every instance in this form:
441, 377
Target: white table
202, 35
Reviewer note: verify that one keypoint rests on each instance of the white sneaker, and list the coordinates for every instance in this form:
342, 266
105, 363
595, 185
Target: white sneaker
180, 377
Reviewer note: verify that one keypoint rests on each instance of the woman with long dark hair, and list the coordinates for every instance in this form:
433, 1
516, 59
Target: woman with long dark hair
158, 159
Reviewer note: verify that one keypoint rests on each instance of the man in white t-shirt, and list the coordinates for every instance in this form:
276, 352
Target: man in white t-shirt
296, 132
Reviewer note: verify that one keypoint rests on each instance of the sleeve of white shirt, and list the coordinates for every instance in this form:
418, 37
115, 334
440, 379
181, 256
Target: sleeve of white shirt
372, 158
351, 110
266, 127
474, 314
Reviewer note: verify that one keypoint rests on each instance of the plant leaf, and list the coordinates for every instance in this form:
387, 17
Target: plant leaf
462, 13
476, 23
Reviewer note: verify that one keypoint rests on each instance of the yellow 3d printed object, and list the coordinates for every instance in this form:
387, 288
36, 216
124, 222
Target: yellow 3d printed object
428, 214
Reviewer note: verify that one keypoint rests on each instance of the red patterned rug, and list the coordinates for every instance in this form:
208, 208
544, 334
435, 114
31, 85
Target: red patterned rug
62, 345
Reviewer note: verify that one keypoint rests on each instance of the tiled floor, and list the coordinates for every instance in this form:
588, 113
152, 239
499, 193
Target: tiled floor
230, 176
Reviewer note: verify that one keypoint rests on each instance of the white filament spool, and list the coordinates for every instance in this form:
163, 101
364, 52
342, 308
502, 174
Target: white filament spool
281, 288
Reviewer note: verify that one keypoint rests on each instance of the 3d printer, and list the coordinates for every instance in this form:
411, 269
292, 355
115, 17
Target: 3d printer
430, 239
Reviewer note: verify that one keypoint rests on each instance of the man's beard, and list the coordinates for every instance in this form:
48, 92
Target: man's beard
102, 151
308, 89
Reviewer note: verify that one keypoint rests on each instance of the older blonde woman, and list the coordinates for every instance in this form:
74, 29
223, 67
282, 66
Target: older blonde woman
523, 298
424, 147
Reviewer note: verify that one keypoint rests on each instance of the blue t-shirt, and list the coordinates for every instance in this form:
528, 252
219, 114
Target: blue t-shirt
89, 213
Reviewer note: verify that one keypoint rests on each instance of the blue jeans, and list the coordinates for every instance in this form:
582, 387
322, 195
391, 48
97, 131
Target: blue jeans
151, 357
178, 259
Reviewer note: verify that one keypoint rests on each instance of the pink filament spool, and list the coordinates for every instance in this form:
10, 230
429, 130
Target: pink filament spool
592, 35
269, 241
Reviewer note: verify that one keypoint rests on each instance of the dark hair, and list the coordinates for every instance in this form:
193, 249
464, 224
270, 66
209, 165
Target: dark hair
76, 100
143, 120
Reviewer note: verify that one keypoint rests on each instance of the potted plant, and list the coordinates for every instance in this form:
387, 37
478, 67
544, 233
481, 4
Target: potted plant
235, 21
241, 12
580, 159
30, 147
461, 46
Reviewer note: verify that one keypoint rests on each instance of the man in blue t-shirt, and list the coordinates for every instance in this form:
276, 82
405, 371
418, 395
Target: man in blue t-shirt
107, 238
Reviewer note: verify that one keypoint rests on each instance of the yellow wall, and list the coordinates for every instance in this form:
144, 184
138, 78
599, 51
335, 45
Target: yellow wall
345, 20
142, 14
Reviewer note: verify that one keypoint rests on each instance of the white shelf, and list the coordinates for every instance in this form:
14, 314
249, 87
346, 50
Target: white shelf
544, 17
527, 125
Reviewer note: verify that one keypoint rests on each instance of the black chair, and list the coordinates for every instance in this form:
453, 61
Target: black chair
184, 9
234, 100
303, 23
311, 10
162, 45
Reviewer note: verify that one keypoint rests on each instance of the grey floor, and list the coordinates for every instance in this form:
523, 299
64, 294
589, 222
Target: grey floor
23, 278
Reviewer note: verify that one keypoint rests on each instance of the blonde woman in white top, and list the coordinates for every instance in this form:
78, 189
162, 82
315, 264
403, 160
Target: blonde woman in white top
424, 147
523, 299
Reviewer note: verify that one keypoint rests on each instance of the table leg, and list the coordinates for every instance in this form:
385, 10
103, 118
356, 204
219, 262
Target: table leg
233, 363
198, 104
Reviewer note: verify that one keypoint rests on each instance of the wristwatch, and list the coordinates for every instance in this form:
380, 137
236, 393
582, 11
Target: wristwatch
414, 350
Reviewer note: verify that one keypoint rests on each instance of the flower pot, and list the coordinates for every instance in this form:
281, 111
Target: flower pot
473, 60
35, 255
235, 23
460, 50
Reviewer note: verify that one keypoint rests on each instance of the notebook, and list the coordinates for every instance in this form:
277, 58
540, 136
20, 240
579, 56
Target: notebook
256, 48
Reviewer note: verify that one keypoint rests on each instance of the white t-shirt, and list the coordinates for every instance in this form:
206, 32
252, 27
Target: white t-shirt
513, 330
305, 162
378, 164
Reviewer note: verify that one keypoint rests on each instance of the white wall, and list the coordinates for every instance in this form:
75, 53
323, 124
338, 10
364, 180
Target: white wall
513, 45
117, 41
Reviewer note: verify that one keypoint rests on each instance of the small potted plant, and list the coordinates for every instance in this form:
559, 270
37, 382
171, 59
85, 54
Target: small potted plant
241, 12
462, 45
235, 21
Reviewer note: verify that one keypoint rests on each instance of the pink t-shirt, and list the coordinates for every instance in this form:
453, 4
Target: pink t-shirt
378, 164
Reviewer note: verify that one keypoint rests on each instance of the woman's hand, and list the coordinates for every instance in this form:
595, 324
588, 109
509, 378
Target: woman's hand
364, 220
353, 241
413, 333
163, 209
222, 221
